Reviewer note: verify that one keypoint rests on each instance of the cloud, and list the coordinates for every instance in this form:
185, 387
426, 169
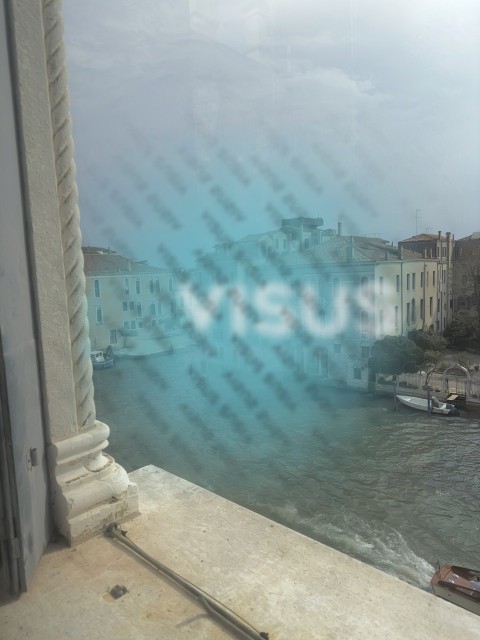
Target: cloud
390, 89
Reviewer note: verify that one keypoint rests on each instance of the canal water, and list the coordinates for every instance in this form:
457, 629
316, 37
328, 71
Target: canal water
396, 489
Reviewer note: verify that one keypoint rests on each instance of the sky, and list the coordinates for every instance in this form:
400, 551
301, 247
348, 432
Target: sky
247, 112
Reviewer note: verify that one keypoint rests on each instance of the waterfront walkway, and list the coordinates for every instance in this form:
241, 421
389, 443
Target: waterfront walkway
141, 346
440, 385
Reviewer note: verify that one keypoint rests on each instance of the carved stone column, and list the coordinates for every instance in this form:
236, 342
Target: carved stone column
93, 486
88, 488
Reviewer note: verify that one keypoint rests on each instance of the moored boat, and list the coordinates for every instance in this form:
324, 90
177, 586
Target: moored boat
459, 585
103, 359
421, 404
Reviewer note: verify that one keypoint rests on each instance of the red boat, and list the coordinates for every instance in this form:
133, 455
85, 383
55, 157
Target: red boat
458, 585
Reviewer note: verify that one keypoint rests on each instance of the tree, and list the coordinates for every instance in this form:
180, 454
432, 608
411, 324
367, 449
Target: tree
394, 355
462, 332
432, 361
467, 279
125, 333
428, 341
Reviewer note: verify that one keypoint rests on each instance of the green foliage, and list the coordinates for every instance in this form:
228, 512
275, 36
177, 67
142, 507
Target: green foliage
463, 333
428, 341
126, 333
441, 366
432, 358
394, 355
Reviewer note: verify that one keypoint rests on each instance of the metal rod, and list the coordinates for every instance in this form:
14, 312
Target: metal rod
212, 606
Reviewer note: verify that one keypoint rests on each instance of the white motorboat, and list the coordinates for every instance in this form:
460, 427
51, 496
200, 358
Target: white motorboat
103, 359
421, 404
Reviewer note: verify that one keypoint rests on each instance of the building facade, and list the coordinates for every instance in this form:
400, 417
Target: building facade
466, 275
440, 247
315, 307
127, 298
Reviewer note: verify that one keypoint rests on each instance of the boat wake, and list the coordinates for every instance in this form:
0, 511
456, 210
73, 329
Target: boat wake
387, 549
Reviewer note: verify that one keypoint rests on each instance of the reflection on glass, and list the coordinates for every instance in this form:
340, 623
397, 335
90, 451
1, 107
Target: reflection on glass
260, 185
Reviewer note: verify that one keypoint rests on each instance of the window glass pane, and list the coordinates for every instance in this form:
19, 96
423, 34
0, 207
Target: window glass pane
248, 172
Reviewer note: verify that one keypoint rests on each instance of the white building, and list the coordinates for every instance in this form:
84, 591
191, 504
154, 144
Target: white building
127, 297
324, 305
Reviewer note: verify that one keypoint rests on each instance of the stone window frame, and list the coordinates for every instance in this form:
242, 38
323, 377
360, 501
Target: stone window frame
88, 489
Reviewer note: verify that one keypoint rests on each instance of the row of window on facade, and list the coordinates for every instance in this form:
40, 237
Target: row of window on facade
113, 334
154, 286
132, 306
411, 316
364, 351
321, 285
364, 316
424, 279
129, 325
411, 281
155, 308
319, 363
365, 283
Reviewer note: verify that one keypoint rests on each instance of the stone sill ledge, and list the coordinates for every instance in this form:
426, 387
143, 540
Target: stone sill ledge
280, 581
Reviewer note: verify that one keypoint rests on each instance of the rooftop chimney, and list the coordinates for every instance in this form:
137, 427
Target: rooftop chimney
449, 246
339, 232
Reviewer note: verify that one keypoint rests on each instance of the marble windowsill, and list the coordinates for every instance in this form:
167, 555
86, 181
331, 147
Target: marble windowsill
280, 581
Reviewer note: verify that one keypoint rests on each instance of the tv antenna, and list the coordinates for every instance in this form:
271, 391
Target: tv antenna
417, 217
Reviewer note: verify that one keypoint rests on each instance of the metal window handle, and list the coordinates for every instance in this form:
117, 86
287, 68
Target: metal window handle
32, 458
